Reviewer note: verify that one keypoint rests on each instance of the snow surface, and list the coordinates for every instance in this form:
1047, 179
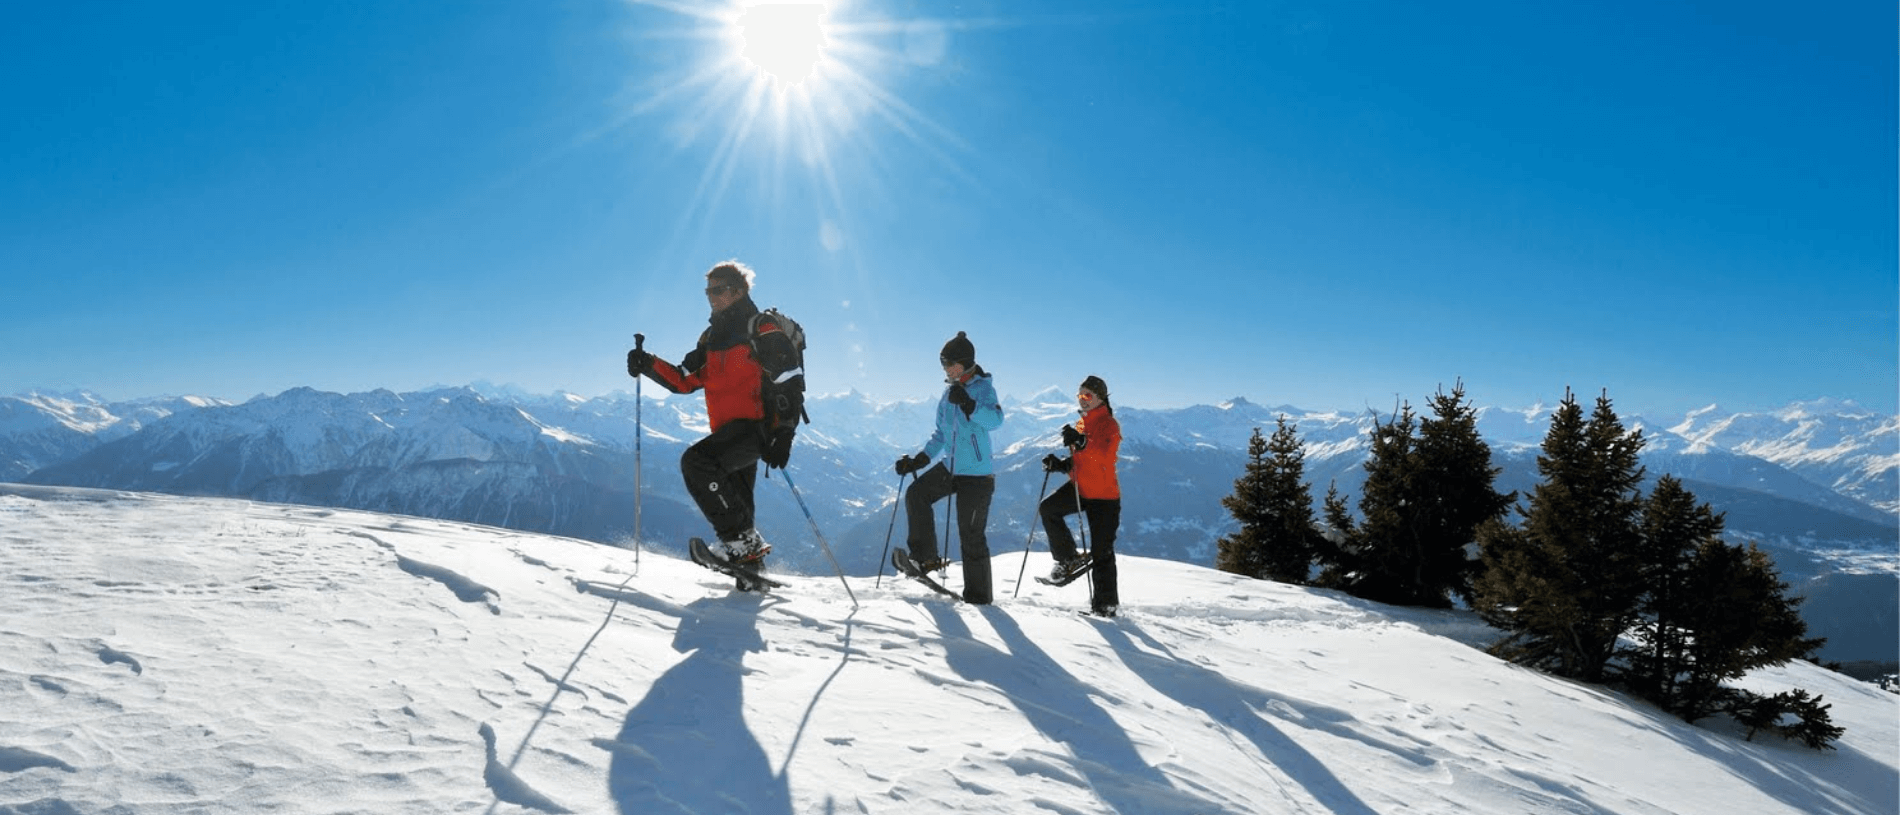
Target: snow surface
167, 654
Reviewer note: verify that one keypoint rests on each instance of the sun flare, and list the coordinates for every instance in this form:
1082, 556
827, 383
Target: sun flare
791, 96
785, 40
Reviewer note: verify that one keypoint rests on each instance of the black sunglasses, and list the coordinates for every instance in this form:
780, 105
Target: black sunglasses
723, 288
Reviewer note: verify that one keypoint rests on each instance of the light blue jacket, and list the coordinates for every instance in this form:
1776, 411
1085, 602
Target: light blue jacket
967, 437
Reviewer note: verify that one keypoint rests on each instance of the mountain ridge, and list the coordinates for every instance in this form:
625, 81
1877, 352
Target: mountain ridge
567, 464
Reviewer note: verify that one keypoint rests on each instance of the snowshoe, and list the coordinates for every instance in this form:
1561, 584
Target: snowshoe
746, 575
900, 558
1068, 571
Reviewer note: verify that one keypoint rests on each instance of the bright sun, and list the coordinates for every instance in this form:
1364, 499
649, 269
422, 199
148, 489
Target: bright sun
785, 40
781, 90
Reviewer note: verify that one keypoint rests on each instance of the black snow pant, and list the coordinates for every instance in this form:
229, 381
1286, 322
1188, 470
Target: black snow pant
720, 471
1104, 519
973, 494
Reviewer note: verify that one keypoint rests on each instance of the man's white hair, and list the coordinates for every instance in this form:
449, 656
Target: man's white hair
727, 267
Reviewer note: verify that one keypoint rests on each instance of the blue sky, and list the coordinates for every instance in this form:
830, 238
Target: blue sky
1326, 204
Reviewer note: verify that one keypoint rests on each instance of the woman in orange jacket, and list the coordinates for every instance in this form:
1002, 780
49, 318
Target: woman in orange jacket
1093, 489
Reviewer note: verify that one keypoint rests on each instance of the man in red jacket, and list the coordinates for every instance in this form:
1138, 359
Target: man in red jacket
754, 398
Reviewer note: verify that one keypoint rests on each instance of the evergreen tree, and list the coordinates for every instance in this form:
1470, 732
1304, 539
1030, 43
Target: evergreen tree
1274, 506
1595, 560
1428, 488
1244, 552
1337, 547
1369, 559
1674, 529
1569, 583
1456, 497
1730, 614
1742, 619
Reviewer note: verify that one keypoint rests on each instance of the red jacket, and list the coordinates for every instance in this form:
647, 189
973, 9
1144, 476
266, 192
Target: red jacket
1094, 464
723, 365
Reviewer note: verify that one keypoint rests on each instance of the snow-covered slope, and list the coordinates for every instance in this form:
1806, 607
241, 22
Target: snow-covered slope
165, 654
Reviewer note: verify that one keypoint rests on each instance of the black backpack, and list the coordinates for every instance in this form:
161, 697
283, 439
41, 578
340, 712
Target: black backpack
784, 367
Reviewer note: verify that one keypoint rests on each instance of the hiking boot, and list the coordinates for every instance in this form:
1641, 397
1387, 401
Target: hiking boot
746, 548
1104, 611
1064, 568
934, 564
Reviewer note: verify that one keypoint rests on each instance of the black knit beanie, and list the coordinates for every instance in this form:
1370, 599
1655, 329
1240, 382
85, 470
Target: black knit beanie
958, 349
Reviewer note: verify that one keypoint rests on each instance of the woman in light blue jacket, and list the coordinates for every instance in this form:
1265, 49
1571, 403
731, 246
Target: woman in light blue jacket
966, 414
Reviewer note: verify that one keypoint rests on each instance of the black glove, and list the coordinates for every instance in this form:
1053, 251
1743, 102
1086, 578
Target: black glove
1053, 464
912, 463
962, 398
638, 362
1073, 438
778, 448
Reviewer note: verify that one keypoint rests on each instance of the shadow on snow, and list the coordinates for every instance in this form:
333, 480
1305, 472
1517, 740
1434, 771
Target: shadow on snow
1058, 705
686, 748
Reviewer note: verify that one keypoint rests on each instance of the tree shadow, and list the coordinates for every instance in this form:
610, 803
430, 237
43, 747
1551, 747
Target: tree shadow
1787, 780
1059, 706
1240, 708
686, 747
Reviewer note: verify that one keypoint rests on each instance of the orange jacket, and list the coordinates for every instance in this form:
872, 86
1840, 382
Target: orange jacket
1094, 462
723, 365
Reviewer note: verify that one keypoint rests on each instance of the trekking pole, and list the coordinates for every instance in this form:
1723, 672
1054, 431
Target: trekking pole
821, 537
1030, 542
1082, 523
881, 559
950, 506
639, 431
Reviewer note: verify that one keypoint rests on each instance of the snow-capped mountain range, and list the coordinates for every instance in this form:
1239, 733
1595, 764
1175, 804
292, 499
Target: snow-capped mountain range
1815, 483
